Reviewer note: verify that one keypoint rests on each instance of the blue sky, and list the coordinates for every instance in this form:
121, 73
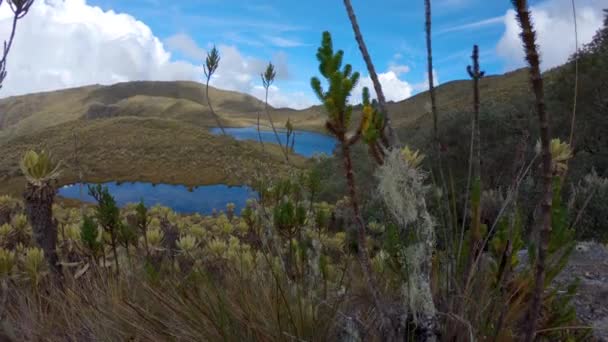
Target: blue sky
129, 40
394, 31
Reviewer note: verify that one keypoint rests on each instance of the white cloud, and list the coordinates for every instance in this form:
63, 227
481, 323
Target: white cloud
473, 25
283, 42
554, 24
424, 86
280, 99
68, 43
241, 73
61, 44
394, 88
398, 69
185, 44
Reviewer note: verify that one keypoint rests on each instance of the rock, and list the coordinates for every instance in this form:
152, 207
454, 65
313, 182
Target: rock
589, 264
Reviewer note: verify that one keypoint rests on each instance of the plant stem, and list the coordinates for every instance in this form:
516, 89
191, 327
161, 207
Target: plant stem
113, 241
217, 118
528, 37
429, 59
259, 133
571, 141
362, 253
393, 139
284, 150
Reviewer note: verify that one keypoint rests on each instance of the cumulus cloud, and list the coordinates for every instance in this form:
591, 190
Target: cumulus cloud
398, 69
242, 73
554, 23
424, 85
280, 99
69, 43
185, 44
393, 87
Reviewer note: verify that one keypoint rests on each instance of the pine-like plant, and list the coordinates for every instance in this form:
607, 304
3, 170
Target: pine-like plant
89, 235
143, 222
389, 137
108, 217
341, 82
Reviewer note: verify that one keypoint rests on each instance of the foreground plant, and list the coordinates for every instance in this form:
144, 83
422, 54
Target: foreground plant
543, 233
89, 235
212, 62
19, 8
108, 217
389, 136
141, 220
267, 79
429, 64
335, 100
41, 173
402, 189
7, 262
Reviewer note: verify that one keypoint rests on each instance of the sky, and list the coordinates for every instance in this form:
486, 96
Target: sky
69, 43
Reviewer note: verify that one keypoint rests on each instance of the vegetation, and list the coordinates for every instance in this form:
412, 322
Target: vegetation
41, 173
378, 242
136, 149
211, 64
267, 79
19, 9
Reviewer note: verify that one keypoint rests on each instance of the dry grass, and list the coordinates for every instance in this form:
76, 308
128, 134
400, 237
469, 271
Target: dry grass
158, 132
185, 101
136, 149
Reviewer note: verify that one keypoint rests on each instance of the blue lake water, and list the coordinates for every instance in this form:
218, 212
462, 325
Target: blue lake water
202, 199
306, 143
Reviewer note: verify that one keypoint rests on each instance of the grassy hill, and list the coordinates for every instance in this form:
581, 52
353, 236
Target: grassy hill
141, 116
184, 101
452, 98
131, 149
149, 131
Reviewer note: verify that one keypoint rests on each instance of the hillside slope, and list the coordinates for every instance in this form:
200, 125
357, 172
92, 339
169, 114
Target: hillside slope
186, 101
137, 149
175, 100
452, 97
180, 108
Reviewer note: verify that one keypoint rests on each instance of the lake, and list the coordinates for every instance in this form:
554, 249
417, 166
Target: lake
202, 199
306, 143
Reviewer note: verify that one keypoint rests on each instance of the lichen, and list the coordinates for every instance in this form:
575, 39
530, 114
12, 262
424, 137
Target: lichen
401, 187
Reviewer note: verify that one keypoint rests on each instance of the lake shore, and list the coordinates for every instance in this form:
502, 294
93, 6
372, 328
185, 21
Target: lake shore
147, 150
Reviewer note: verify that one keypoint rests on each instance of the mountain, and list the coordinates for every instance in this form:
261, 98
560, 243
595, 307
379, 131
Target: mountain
149, 131
186, 101
183, 101
166, 113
